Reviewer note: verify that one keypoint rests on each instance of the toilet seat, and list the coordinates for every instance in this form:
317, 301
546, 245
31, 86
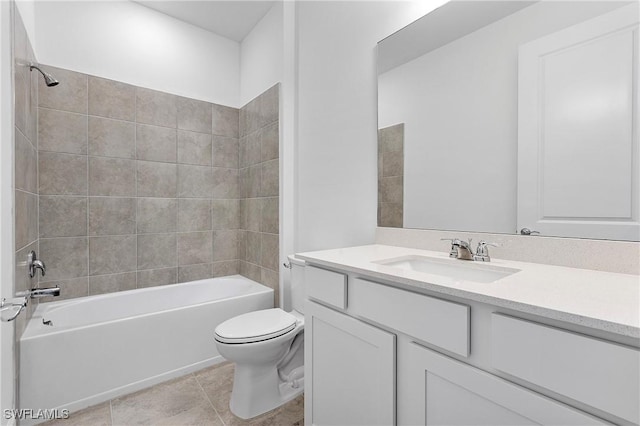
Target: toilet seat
255, 326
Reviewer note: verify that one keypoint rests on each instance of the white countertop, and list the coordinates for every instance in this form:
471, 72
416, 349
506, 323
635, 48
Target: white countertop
601, 300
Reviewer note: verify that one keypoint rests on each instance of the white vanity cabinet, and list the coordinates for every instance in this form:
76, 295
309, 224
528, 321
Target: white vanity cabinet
381, 353
349, 370
444, 391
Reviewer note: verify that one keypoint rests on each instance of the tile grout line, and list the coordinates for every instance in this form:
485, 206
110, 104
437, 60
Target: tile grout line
208, 399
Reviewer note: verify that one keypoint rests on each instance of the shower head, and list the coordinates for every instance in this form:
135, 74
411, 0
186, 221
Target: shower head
49, 80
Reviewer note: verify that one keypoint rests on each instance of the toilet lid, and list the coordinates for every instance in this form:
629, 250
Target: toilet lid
255, 326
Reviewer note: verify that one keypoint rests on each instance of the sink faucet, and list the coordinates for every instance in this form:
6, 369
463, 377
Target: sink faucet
460, 249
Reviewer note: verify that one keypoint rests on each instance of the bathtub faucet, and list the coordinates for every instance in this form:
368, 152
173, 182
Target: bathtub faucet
44, 292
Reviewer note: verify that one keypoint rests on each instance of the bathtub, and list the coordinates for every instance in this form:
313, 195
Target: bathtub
104, 346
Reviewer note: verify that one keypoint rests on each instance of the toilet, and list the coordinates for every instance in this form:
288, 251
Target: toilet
267, 347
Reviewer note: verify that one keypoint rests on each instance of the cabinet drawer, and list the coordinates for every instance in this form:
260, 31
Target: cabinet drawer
601, 374
326, 286
434, 321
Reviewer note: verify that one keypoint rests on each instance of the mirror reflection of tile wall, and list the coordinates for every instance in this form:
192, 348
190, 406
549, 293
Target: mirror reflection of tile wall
390, 176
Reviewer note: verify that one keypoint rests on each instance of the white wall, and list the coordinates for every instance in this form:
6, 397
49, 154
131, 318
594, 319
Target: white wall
261, 55
7, 397
336, 126
459, 104
28, 13
128, 42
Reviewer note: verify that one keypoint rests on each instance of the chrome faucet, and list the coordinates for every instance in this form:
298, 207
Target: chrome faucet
482, 252
44, 292
33, 263
460, 249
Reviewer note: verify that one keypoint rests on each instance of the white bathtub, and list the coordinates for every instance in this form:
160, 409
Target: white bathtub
101, 347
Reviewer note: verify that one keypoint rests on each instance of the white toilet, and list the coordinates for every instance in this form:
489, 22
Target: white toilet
267, 348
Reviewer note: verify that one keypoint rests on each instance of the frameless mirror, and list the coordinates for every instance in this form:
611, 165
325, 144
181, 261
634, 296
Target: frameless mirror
498, 116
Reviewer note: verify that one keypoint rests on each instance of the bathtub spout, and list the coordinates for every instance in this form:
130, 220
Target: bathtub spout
44, 292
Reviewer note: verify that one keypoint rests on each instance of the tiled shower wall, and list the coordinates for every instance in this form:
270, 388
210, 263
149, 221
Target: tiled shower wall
137, 187
26, 162
391, 176
259, 189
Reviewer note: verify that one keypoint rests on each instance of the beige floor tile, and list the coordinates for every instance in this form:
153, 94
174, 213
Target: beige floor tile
98, 415
217, 382
177, 402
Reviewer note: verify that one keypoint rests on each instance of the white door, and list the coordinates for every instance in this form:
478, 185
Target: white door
448, 392
349, 370
7, 400
578, 157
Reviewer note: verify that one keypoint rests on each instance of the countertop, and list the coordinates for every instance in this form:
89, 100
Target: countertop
600, 300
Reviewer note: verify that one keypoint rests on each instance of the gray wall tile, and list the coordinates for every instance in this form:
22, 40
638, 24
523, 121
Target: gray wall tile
225, 121
157, 108
225, 183
156, 179
390, 215
112, 138
156, 277
225, 214
254, 182
156, 215
101, 284
69, 289
251, 271
253, 212
62, 131
112, 177
194, 215
26, 218
195, 181
225, 268
270, 142
391, 138
270, 256
111, 255
270, 279
225, 152
26, 164
62, 216
194, 148
194, 115
69, 95
108, 98
392, 164
390, 190
20, 101
154, 143
112, 216
157, 251
270, 216
194, 272
253, 248
195, 248
62, 174
270, 179
225, 245
65, 257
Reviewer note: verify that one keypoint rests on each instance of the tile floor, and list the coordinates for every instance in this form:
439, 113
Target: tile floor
200, 398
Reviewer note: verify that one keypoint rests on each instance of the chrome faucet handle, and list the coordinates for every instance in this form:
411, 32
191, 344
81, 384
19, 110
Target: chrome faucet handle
482, 252
33, 263
453, 251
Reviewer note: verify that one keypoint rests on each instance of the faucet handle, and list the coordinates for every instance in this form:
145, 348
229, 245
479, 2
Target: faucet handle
453, 251
482, 252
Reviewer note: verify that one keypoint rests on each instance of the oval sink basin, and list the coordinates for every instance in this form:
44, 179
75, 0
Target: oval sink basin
458, 270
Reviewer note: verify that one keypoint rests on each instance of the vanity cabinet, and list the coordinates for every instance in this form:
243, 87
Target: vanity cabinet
380, 353
350, 370
449, 392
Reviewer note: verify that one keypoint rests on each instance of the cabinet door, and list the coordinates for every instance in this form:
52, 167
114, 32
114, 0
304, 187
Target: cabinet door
448, 392
349, 370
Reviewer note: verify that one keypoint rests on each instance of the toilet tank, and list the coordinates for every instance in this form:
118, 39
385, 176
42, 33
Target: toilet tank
298, 291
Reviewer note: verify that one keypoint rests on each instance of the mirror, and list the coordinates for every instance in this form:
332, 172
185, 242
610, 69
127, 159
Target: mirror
494, 116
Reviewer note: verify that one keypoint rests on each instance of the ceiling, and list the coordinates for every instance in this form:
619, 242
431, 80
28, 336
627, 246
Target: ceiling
231, 19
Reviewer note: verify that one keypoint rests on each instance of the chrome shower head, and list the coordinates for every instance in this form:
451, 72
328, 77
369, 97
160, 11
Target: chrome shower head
49, 80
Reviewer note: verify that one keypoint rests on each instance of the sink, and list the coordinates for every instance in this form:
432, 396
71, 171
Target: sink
458, 270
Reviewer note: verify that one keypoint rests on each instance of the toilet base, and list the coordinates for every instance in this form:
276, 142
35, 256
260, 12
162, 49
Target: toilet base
253, 390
